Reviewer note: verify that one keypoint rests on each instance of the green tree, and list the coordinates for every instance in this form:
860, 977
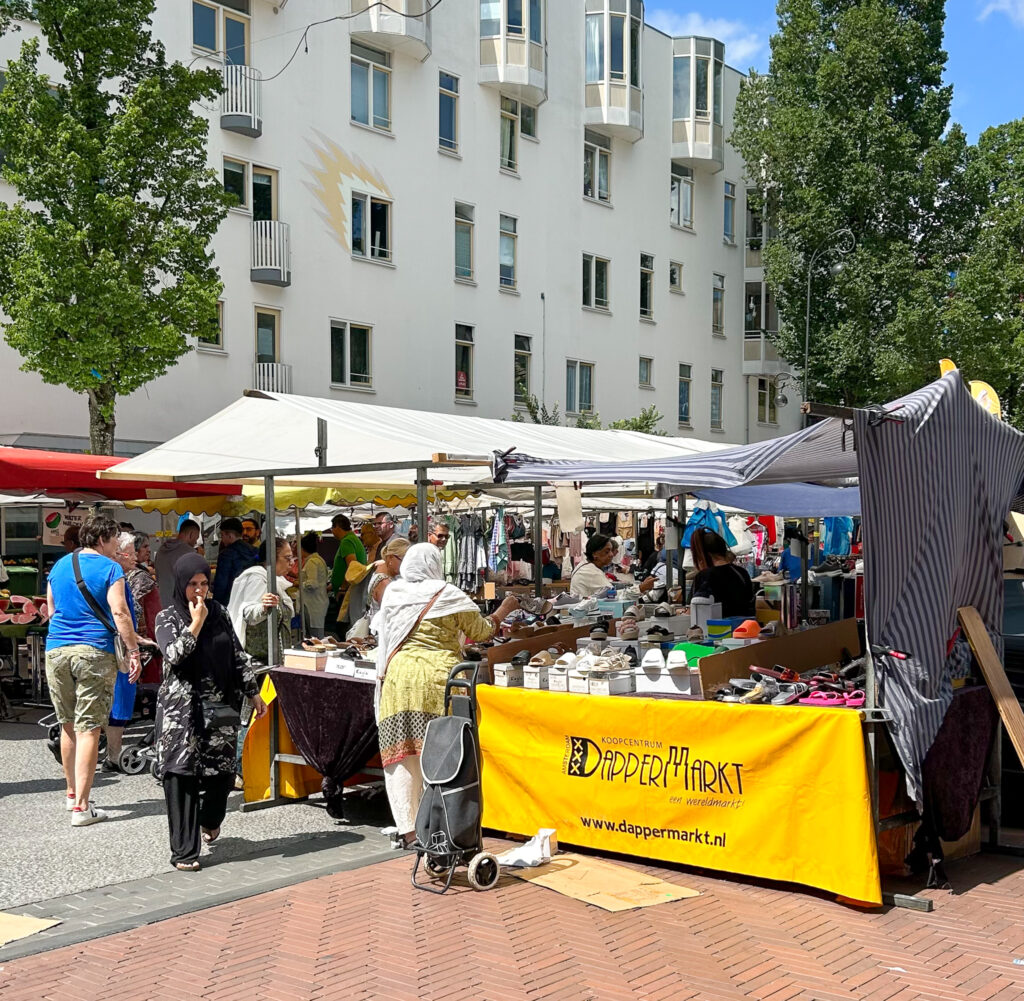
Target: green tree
646, 421
848, 129
105, 270
536, 411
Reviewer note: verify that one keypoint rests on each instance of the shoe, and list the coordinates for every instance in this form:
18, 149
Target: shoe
831, 566
653, 658
631, 655
677, 658
599, 633
567, 660
535, 606
656, 633
542, 659
628, 631
663, 611
521, 659
635, 612
767, 577
239, 782
789, 692
765, 690
695, 635
110, 766
585, 607
84, 818
69, 802
564, 600
630, 593
747, 630
552, 620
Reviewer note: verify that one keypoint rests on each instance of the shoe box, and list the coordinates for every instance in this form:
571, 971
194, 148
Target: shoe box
536, 677
309, 660
667, 681
508, 675
578, 683
612, 683
558, 679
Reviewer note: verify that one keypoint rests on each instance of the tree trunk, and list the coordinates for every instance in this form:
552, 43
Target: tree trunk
101, 420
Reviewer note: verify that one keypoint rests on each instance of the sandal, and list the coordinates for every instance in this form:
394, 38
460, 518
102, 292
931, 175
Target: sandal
186, 866
822, 698
210, 835
855, 699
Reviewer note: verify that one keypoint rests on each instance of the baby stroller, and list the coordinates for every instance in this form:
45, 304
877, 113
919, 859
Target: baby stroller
448, 821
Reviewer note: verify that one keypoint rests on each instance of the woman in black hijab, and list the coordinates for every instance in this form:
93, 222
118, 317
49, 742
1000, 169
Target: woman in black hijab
205, 675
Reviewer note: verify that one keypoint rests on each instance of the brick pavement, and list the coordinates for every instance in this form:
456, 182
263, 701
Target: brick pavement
367, 934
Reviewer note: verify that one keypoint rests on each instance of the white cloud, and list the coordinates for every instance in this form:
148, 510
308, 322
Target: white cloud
1013, 9
744, 46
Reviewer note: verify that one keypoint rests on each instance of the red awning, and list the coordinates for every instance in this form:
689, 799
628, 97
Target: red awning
71, 472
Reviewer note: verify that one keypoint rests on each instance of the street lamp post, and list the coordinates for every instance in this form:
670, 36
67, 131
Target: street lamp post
840, 242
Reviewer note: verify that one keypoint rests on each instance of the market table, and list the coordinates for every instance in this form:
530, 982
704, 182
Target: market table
774, 792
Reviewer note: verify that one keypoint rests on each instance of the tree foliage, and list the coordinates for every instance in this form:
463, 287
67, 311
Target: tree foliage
849, 129
105, 270
646, 421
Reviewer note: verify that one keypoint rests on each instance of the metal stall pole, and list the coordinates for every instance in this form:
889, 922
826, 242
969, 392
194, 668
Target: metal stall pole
668, 552
272, 658
538, 543
298, 560
421, 503
805, 552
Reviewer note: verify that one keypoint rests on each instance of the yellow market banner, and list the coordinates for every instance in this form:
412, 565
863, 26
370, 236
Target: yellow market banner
775, 792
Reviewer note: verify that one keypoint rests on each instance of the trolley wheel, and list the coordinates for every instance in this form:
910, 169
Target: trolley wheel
132, 761
483, 871
436, 866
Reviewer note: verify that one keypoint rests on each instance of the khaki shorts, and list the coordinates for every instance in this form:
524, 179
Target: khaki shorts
81, 680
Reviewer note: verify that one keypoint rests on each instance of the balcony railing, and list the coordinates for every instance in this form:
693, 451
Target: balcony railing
272, 377
271, 253
760, 355
241, 102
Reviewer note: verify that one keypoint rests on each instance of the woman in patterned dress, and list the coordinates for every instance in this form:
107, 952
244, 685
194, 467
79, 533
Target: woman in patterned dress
205, 675
419, 629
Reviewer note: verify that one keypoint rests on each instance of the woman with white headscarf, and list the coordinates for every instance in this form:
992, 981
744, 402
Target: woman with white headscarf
419, 629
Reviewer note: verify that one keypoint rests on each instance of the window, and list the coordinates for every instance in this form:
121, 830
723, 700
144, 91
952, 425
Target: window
729, 217
684, 395
235, 181
490, 18
463, 362
718, 305
634, 52
595, 282
514, 17
536, 22
528, 121
509, 127
675, 276
212, 336
755, 231
350, 355
680, 206
717, 391
507, 252
595, 48
579, 387
448, 112
646, 286
701, 94
268, 323
463, 242
521, 368
371, 227
766, 409
597, 161
646, 367
718, 92
371, 87
681, 87
617, 46
264, 194
752, 307
220, 29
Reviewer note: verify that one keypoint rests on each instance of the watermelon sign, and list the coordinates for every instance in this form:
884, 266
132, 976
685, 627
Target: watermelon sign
57, 520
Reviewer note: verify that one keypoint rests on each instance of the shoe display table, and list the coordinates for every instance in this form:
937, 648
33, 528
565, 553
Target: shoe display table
773, 792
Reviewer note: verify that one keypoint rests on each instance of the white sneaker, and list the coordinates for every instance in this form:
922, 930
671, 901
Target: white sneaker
653, 658
83, 818
584, 607
69, 802
630, 593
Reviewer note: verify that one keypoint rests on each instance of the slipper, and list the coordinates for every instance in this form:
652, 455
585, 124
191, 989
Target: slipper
856, 699
778, 673
821, 698
542, 659
186, 866
210, 835
655, 631
789, 692
744, 684
747, 630
663, 611
598, 633
521, 659
628, 631
695, 635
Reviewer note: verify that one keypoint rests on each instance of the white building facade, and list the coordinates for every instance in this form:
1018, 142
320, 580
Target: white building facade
449, 209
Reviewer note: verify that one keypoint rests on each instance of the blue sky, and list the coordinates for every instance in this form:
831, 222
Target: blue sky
983, 38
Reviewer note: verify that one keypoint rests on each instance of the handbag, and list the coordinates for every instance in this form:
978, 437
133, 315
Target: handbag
120, 650
220, 715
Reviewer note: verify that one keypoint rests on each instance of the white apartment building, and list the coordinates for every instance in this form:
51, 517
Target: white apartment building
439, 208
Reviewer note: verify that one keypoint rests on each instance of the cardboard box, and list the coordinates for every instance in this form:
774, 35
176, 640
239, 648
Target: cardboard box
535, 677
667, 680
612, 683
558, 679
508, 676
579, 684
307, 659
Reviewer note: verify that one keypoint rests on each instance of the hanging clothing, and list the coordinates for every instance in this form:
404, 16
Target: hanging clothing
645, 537
497, 560
709, 516
836, 536
472, 556
624, 524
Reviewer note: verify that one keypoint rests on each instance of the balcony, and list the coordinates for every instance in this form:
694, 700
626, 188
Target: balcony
271, 253
241, 102
760, 355
513, 56
405, 28
698, 137
271, 377
613, 91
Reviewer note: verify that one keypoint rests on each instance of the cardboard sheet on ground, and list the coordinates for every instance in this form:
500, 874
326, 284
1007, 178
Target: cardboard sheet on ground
603, 884
16, 926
